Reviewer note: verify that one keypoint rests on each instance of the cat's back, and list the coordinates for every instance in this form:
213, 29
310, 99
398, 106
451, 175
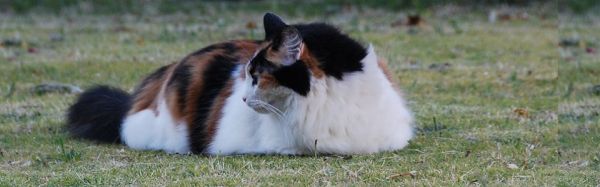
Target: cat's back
231, 51
200, 69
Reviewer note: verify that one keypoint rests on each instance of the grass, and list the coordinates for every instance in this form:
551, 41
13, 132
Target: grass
496, 104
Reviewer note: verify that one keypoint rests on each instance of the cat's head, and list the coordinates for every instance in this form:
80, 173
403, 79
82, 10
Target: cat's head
291, 56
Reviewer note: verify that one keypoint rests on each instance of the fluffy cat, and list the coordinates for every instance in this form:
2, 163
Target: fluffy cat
305, 88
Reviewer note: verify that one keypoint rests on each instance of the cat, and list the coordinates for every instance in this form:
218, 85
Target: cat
304, 89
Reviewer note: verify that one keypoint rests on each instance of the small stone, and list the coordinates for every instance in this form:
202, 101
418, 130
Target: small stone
440, 67
569, 42
595, 89
56, 87
492, 16
578, 163
26, 163
11, 43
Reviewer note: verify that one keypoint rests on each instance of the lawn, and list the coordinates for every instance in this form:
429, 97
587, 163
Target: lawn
515, 102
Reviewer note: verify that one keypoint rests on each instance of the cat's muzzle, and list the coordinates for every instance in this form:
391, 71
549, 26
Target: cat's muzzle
258, 106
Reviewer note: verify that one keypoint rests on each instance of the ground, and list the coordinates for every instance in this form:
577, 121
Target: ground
512, 102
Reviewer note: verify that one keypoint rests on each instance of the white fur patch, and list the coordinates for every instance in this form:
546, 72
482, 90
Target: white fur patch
146, 131
360, 114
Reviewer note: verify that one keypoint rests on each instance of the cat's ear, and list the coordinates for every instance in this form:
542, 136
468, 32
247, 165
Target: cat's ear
273, 25
291, 44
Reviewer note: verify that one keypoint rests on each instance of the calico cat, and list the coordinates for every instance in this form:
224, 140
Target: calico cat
305, 88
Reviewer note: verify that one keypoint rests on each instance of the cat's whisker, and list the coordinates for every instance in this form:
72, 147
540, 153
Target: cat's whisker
275, 109
268, 107
271, 109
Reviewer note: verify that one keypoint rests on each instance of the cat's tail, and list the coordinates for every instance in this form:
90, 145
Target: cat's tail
98, 114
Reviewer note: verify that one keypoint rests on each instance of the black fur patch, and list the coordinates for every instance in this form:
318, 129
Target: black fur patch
273, 25
98, 113
295, 77
260, 64
215, 77
336, 52
181, 80
229, 48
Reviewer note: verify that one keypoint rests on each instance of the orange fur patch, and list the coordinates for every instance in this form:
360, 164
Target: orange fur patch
171, 99
382, 63
312, 63
246, 50
274, 56
267, 81
146, 97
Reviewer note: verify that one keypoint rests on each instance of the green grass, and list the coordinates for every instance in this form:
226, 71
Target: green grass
470, 131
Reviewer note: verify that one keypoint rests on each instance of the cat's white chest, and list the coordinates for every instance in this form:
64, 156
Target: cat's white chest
244, 131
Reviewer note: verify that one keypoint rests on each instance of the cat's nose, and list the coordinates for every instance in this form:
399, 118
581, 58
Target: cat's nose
244, 99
